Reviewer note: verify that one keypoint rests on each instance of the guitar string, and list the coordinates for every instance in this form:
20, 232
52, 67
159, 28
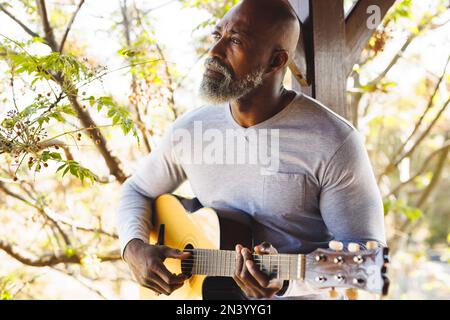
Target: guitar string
228, 267
258, 258
204, 255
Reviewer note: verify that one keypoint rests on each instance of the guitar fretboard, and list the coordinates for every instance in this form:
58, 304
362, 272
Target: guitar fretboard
223, 263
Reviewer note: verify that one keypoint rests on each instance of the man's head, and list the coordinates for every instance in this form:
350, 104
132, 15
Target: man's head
253, 44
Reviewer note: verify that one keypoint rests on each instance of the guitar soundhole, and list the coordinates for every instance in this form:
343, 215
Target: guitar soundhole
186, 265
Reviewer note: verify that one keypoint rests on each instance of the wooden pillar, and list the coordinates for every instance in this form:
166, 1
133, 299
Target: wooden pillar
329, 46
323, 32
304, 58
328, 28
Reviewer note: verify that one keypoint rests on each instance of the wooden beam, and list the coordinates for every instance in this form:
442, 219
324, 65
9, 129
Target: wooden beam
298, 65
302, 67
328, 38
357, 31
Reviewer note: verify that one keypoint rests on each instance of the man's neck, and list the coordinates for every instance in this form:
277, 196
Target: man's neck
260, 105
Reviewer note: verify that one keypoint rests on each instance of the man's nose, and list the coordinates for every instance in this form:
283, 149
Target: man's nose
217, 50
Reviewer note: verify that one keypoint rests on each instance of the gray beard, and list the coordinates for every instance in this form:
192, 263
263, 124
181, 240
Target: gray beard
218, 91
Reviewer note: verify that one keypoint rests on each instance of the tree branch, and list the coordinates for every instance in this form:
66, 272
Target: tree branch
357, 33
435, 179
391, 166
79, 226
397, 158
422, 117
82, 281
166, 68
421, 28
126, 25
112, 162
56, 218
48, 30
69, 26
49, 260
39, 209
20, 23
424, 166
67, 87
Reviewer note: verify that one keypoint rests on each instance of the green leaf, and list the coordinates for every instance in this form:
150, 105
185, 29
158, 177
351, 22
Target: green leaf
8, 123
111, 112
65, 171
116, 119
56, 156
128, 52
91, 100
45, 156
74, 170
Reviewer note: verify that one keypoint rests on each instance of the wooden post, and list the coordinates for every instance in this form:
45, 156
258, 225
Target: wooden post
329, 46
304, 57
328, 28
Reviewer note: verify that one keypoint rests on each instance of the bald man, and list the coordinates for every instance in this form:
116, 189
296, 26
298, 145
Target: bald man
312, 184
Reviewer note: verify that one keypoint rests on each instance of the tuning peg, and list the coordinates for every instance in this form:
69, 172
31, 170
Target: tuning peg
386, 255
386, 283
371, 245
353, 247
332, 293
351, 294
336, 245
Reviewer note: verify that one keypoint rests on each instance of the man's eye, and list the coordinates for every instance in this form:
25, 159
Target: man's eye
215, 36
235, 40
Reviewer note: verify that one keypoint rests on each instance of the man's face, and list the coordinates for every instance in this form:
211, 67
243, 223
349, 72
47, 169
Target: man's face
235, 65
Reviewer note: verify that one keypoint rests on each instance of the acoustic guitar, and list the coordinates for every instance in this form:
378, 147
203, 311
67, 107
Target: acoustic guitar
211, 235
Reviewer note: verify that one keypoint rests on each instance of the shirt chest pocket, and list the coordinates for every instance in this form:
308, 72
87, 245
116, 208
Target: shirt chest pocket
284, 194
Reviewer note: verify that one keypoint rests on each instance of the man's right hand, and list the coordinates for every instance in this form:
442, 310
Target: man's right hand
146, 263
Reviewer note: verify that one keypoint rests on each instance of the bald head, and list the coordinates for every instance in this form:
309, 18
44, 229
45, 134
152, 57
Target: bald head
273, 21
253, 45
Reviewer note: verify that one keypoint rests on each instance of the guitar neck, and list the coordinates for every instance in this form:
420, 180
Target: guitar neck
223, 263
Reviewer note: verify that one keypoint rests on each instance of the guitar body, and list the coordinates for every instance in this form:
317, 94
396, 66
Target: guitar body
211, 236
185, 224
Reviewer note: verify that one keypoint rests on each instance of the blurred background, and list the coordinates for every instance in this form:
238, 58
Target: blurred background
80, 108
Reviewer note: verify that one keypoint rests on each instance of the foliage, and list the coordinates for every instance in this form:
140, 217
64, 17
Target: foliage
23, 131
52, 93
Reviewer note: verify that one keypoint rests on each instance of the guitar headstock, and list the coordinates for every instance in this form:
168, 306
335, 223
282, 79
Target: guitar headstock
353, 269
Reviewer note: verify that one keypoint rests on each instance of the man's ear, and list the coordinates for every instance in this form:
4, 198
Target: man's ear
278, 60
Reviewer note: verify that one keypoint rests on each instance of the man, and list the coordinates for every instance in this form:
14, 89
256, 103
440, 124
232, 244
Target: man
319, 185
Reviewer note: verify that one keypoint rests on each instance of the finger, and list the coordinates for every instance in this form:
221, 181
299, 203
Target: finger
243, 272
150, 284
245, 275
239, 260
168, 277
240, 271
240, 284
262, 279
167, 288
265, 248
247, 291
175, 253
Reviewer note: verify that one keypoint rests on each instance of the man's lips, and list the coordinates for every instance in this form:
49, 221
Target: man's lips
214, 73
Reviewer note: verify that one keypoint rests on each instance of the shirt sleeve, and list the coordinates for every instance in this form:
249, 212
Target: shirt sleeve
350, 202
157, 173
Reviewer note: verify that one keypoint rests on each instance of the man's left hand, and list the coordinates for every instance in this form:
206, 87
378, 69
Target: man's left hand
253, 282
